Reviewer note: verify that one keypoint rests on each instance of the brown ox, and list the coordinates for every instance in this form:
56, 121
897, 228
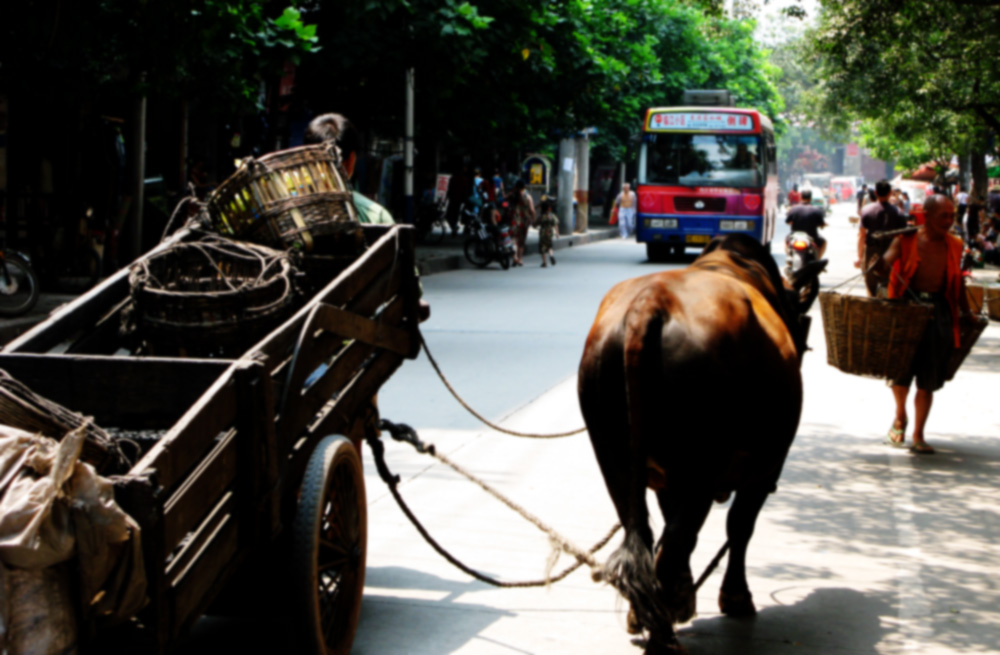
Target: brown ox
690, 385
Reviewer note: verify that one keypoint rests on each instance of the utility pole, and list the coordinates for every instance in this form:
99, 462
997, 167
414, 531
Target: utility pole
408, 147
582, 181
138, 172
567, 166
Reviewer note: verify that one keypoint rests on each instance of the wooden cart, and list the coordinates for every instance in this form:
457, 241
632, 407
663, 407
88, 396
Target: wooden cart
251, 466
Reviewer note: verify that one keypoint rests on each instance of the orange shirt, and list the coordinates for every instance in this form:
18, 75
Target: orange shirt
909, 258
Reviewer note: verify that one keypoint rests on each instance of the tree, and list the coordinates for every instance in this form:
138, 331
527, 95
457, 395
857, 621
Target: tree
507, 74
919, 74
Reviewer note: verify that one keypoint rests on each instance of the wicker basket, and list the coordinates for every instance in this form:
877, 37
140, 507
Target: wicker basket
285, 199
970, 332
991, 300
23, 409
872, 337
210, 297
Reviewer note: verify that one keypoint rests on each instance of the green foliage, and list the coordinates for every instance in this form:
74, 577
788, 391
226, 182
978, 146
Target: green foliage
508, 74
217, 50
920, 75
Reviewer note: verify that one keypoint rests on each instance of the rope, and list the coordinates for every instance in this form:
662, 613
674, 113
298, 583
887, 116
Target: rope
515, 433
559, 543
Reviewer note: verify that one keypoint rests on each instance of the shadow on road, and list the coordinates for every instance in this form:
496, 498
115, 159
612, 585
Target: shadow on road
847, 617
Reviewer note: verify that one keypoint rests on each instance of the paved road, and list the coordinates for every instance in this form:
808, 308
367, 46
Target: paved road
864, 549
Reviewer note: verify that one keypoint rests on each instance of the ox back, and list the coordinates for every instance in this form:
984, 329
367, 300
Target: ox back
690, 385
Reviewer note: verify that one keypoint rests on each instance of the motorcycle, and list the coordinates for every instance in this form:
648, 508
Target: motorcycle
801, 255
488, 243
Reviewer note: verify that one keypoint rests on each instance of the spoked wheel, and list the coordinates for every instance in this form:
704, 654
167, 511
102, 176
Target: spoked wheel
477, 252
18, 286
330, 536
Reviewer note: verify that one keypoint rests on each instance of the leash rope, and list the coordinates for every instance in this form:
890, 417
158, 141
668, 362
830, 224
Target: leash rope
483, 419
560, 544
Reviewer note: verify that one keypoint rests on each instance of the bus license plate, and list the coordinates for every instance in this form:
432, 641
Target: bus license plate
697, 238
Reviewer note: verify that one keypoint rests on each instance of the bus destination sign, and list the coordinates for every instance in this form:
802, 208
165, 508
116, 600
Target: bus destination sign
684, 120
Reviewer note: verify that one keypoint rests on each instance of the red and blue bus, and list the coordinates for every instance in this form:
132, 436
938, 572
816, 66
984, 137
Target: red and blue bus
705, 172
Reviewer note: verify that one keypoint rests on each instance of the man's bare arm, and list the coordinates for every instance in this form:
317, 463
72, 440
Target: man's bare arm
862, 233
881, 265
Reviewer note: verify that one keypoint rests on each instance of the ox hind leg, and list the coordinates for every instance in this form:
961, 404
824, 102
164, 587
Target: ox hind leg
684, 511
735, 598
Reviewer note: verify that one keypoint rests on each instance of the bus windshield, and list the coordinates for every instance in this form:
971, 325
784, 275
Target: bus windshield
701, 160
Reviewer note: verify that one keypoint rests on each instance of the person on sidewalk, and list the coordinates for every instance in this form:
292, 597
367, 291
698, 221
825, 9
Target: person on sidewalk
548, 229
521, 209
926, 266
876, 217
625, 202
336, 128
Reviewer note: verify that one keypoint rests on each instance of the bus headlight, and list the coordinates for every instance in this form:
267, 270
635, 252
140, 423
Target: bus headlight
736, 225
663, 223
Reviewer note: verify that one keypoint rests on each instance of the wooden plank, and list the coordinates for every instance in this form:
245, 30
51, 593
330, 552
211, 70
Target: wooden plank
302, 405
338, 416
216, 545
187, 506
342, 289
105, 338
186, 442
379, 333
84, 311
124, 392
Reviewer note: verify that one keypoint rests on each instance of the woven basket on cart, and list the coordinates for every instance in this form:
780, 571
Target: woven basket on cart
286, 199
211, 297
872, 337
23, 409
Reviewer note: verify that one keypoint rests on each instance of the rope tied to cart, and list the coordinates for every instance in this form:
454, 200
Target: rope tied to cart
560, 544
483, 419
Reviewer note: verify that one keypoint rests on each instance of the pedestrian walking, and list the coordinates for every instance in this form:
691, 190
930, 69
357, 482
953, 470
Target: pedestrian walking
521, 209
962, 200
548, 230
625, 202
926, 267
876, 217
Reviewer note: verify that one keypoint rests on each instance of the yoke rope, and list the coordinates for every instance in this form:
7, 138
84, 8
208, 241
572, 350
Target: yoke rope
559, 543
461, 401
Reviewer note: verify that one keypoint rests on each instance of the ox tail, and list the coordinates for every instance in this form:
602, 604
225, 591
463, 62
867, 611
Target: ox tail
631, 568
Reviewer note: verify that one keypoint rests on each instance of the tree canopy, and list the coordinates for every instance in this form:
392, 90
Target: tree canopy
919, 76
496, 74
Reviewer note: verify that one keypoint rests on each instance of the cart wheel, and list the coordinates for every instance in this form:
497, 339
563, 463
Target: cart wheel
329, 540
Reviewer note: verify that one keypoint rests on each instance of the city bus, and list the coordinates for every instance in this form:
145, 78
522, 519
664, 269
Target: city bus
705, 172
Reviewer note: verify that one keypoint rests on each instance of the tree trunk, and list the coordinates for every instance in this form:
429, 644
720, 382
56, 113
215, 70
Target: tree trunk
979, 178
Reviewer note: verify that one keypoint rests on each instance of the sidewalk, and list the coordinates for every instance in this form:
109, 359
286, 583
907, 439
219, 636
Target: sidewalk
437, 258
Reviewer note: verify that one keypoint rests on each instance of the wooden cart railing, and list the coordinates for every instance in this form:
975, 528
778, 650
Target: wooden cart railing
219, 486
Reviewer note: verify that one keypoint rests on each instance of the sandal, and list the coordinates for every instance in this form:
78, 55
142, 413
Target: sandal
897, 435
922, 448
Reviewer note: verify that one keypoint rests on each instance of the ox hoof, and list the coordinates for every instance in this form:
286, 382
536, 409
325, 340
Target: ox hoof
632, 623
683, 603
737, 604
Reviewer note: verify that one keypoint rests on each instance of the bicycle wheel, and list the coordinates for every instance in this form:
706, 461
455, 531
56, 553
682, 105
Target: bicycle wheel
18, 286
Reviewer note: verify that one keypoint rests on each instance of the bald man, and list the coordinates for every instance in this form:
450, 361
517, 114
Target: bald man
926, 266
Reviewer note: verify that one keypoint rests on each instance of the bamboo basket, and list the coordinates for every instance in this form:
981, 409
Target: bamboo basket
970, 332
872, 337
210, 297
286, 199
